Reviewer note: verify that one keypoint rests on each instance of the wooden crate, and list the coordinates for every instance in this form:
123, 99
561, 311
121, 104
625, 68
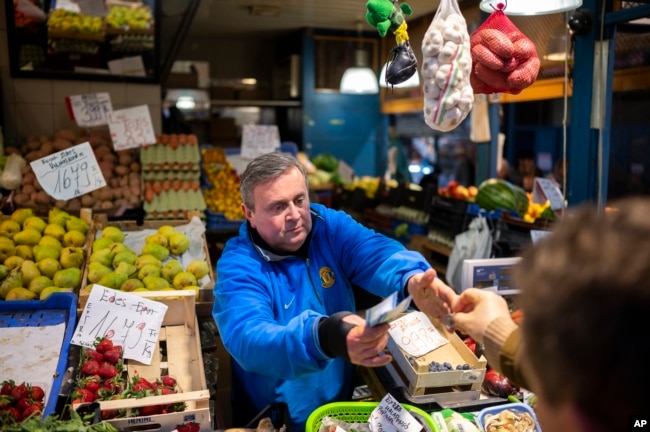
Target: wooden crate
183, 361
99, 222
420, 381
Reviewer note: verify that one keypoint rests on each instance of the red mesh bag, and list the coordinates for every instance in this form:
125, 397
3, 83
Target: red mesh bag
504, 60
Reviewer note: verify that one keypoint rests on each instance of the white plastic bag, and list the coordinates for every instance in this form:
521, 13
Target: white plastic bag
446, 68
475, 243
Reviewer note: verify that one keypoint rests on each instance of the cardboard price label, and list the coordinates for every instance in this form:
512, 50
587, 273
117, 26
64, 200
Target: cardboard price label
69, 173
257, 140
415, 334
131, 128
391, 416
90, 110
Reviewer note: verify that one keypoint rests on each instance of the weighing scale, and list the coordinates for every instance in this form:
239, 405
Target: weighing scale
493, 273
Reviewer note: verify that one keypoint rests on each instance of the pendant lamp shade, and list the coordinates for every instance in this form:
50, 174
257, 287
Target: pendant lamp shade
414, 81
558, 44
359, 78
530, 7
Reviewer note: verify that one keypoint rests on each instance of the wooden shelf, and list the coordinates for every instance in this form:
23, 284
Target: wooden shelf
436, 254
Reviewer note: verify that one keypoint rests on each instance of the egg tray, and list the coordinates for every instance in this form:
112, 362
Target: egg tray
161, 156
162, 175
168, 202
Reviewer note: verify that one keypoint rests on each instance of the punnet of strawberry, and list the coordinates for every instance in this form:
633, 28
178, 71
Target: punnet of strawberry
19, 402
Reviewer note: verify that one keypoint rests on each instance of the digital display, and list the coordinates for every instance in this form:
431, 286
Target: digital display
493, 273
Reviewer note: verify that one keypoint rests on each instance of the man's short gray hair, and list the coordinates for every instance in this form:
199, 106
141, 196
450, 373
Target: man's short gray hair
264, 168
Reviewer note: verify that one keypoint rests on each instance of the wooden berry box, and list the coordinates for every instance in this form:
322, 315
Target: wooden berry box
416, 371
183, 360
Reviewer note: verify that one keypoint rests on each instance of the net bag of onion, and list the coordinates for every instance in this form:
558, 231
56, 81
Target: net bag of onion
446, 66
504, 60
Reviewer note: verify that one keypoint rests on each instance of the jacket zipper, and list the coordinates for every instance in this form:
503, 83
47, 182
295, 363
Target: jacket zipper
312, 281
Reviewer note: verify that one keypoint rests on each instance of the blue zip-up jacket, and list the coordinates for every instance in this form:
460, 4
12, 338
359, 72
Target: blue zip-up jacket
267, 308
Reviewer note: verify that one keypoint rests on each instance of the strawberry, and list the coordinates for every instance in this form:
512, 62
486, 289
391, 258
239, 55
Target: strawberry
7, 387
37, 393
107, 370
19, 392
113, 385
92, 383
150, 410
94, 355
113, 356
168, 381
23, 404
35, 409
188, 427
90, 367
103, 345
5, 402
83, 396
165, 391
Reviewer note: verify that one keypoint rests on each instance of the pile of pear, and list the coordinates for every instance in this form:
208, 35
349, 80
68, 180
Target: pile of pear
158, 267
41, 255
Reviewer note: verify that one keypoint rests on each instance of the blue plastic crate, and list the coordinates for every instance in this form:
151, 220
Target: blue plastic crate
218, 221
59, 308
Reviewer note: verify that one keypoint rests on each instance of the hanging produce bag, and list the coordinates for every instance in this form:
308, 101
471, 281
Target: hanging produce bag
475, 243
446, 67
504, 60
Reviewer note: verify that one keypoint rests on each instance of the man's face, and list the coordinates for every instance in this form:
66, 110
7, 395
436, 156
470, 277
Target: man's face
281, 214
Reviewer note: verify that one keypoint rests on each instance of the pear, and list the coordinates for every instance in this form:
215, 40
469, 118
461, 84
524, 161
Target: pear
148, 270
147, 259
199, 268
25, 252
126, 268
75, 223
50, 241
28, 236
127, 256
179, 243
9, 227
51, 290
35, 222
171, 269
13, 262
158, 251
104, 256
57, 216
20, 293
157, 238
155, 283
19, 215
39, 283
7, 248
184, 279
13, 280
67, 278
101, 243
74, 238
48, 266
30, 272
112, 280
54, 230
113, 233
132, 285
119, 247
41, 252
96, 270
167, 231
72, 257
4, 271
194, 288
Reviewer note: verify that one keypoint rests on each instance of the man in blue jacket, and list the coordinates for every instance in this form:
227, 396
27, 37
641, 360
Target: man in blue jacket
284, 303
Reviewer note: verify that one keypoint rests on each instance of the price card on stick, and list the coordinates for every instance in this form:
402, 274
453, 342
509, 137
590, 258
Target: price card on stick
257, 140
126, 319
131, 127
69, 173
415, 334
91, 109
391, 416
546, 189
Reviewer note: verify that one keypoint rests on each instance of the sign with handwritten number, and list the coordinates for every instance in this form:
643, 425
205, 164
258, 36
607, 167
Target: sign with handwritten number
131, 128
546, 189
90, 110
126, 319
415, 334
69, 173
391, 416
257, 140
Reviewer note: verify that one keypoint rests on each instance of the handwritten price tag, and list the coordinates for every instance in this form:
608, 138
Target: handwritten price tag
126, 319
131, 127
390, 416
415, 334
90, 109
546, 189
69, 173
257, 140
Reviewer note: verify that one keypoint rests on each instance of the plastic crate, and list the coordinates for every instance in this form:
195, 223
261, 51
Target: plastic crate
359, 412
217, 221
58, 309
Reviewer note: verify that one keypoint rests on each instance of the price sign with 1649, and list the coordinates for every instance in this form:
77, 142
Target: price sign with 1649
69, 173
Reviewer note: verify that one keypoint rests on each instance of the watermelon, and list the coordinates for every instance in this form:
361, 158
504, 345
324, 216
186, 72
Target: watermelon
496, 194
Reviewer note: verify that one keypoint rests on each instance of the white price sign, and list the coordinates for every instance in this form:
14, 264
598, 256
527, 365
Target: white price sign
131, 128
391, 416
546, 189
69, 173
90, 110
415, 334
257, 140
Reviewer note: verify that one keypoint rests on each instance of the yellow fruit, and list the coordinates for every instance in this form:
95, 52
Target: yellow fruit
20, 293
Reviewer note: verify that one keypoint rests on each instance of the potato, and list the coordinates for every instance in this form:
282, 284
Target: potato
42, 198
87, 200
61, 144
21, 199
121, 170
66, 134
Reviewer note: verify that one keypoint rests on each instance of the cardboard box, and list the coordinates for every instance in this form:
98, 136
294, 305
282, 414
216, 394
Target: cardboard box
416, 372
183, 361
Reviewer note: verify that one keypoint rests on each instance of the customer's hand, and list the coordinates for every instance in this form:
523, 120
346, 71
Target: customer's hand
366, 344
475, 309
431, 295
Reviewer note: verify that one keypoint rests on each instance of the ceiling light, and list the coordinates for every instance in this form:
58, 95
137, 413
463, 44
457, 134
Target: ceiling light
359, 78
414, 81
529, 7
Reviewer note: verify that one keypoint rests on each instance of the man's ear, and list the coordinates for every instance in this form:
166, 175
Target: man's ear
249, 214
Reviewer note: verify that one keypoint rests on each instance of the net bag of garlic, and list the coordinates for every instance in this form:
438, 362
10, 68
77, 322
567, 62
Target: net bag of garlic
446, 66
504, 60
